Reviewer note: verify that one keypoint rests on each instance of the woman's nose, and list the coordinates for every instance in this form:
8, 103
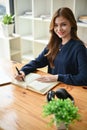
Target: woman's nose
59, 28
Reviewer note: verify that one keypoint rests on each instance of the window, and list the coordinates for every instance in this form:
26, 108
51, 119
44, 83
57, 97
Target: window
2, 8
6, 6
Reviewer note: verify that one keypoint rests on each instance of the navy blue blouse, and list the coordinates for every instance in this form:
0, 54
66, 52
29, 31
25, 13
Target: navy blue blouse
70, 63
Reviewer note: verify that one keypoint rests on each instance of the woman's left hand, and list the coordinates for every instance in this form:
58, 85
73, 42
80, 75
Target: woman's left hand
48, 78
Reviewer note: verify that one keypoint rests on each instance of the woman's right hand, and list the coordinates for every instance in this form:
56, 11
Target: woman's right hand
20, 77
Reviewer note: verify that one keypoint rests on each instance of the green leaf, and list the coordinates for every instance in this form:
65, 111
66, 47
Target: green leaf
8, 19
63, 111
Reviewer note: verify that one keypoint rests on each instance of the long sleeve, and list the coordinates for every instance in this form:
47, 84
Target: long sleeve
39, 62
79, 77
70, 64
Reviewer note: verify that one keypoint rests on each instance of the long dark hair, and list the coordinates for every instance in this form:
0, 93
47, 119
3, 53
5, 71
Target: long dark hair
53, 45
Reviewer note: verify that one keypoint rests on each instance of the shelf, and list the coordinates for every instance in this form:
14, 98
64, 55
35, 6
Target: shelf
28, 56
80, 24
42, 40
25, 17
42, 19
32, 22
14, 52
27, 37
10, 48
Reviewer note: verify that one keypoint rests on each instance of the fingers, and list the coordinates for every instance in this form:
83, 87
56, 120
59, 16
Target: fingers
20, 77
43, 79
47, 78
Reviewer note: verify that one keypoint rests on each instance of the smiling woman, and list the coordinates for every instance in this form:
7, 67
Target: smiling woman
65, 54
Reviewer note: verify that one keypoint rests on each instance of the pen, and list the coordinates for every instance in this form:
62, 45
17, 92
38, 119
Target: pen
19, 73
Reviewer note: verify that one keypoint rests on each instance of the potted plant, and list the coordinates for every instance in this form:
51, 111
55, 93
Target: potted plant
8, 24
62, 111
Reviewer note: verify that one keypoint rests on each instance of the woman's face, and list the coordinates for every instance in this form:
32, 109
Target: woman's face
62, 27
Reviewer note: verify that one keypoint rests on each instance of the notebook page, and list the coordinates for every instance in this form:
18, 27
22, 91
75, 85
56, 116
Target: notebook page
28, 79
41, 85
31, 77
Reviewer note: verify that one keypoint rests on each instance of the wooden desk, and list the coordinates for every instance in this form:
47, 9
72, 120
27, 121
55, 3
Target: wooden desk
21, 109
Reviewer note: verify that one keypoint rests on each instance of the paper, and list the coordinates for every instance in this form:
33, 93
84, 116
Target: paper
34, 85
39, 85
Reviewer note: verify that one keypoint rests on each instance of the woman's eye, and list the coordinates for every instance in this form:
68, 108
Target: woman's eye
64, 24
55, 25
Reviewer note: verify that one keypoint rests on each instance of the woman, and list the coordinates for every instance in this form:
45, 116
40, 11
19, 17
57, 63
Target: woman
65, 55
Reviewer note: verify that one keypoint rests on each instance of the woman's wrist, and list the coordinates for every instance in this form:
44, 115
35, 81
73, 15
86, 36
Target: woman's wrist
56, 77
22, 73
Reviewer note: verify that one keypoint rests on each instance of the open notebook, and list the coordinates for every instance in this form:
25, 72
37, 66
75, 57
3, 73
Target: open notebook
4, 78
34, 85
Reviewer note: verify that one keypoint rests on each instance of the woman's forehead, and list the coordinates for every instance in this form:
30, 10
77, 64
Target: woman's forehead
61, 19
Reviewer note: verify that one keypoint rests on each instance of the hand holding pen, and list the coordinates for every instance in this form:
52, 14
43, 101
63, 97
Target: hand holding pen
19, 73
